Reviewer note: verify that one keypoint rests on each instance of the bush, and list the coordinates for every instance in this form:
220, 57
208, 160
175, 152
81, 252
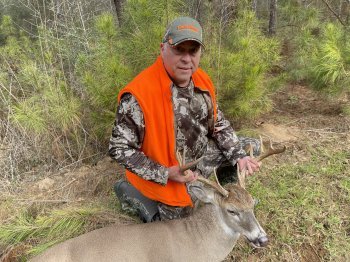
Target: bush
103, 72
331, 69
246, 58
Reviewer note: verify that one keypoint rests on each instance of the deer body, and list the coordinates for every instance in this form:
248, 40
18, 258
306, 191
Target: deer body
208, 235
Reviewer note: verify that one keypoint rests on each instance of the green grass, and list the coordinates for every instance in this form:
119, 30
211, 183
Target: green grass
306, 204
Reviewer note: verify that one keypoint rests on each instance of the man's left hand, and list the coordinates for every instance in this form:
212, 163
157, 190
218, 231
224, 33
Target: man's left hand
249, 164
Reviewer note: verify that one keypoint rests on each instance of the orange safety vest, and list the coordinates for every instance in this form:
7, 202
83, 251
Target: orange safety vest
152, 90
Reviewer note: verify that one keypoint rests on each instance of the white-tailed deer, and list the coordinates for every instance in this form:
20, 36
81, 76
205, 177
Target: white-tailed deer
207, 235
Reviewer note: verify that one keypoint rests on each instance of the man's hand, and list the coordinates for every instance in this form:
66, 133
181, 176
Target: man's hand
249, 164
175, 174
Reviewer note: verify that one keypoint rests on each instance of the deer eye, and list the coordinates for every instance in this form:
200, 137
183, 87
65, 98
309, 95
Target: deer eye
233, 212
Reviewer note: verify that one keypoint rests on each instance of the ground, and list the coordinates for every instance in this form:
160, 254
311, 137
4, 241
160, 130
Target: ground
304, 194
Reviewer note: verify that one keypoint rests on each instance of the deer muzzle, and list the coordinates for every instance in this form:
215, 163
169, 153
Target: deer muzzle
260, 242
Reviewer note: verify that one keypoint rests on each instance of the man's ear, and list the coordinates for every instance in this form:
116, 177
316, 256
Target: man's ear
204, 194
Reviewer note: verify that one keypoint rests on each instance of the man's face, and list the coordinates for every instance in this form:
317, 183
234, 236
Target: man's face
181, 61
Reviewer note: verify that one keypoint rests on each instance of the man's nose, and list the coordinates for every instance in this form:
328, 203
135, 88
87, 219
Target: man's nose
186, 57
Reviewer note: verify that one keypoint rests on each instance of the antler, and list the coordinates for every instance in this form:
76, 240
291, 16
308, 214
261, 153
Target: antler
184, 167
216, 185
270, 151
187, 166
181, 159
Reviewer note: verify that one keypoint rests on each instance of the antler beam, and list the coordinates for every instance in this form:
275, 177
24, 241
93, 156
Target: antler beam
216, 185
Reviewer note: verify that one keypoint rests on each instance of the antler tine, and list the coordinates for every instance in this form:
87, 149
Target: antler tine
241, 177
216, 185
178, 157
182, 164
183, 156
271, 151
190, 165
251, 150
262, 149
264, 153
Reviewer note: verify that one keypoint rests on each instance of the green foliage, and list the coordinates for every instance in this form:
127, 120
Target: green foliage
143, 30
331, 70
60, 82
246, 59
6, 27
300, 30
318, 52
103, 72
28, 113
47, 229
40, 99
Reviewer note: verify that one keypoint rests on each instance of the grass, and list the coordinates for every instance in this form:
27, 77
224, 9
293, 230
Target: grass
306, 205
40, 231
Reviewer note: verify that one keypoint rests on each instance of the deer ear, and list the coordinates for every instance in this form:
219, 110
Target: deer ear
204, 194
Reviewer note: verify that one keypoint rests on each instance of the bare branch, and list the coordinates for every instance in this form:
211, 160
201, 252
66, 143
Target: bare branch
335, 14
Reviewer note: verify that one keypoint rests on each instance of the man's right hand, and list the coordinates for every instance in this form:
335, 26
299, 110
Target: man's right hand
175, 174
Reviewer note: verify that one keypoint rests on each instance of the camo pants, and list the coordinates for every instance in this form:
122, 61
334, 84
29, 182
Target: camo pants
134, 202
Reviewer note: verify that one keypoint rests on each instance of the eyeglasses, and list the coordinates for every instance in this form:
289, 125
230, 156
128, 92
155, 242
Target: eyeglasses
182, 50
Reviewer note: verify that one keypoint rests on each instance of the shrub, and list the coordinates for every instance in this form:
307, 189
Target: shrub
246, 58
331, 69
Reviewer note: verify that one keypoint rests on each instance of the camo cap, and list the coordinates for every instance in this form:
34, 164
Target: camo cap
183, 29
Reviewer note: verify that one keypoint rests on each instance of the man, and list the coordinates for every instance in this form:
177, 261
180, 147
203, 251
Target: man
171, 107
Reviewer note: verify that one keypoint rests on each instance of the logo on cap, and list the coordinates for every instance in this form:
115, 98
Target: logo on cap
188, 27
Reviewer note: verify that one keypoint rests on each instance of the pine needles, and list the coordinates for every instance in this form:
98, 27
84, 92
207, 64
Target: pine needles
332, 66
246, 59
47, 229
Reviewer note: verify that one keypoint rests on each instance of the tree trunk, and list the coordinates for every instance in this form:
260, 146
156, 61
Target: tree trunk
345, 11
119, 10
196, 9
254, 5
273, 17
226, 11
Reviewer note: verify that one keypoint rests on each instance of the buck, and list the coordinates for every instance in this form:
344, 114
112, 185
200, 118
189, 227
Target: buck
208, 235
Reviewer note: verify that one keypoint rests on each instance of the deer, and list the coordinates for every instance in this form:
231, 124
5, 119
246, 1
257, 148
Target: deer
209, 234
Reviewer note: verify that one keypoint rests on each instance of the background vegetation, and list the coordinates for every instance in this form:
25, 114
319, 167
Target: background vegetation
62, 64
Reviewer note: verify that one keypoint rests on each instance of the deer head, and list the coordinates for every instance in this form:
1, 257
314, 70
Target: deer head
234, 203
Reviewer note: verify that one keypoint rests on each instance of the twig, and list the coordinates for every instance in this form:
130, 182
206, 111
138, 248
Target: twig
80, 160
71, 182
335, 14
40, 200
321, 131
292, 122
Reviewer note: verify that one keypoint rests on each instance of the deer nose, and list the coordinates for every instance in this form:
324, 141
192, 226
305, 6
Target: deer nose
263, 241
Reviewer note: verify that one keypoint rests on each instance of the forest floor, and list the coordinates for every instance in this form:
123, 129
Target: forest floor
304, 193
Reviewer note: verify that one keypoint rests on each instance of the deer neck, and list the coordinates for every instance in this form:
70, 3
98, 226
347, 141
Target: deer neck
208, 229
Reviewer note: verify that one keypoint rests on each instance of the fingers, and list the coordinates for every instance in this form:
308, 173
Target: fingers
175, 174
249, 165
190, 176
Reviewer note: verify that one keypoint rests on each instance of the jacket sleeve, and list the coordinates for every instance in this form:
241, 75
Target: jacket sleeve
227, 140
126, 141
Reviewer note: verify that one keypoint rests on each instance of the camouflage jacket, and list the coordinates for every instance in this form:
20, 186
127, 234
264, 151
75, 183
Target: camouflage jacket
192, 109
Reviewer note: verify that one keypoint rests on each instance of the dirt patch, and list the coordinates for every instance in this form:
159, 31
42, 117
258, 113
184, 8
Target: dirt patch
82, 185
300, 100
313, 253
279, 133
76, 185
